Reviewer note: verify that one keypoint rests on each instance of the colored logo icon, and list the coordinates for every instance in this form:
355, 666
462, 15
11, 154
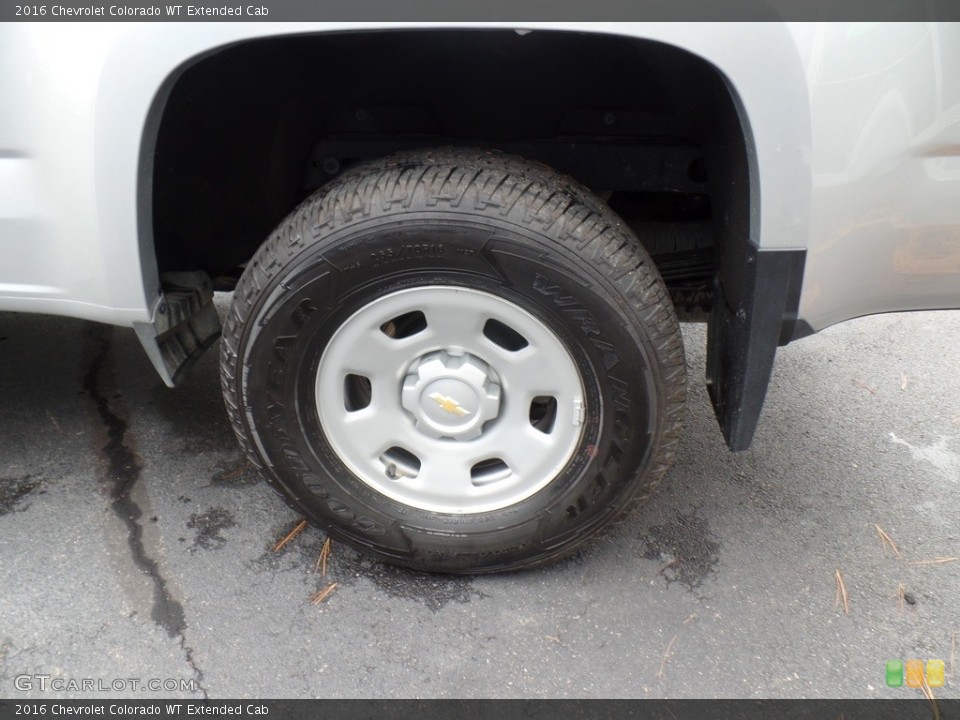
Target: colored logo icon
913, 673
894, 673
935, 673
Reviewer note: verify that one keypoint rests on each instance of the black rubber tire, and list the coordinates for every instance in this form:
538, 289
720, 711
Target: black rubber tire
475, 219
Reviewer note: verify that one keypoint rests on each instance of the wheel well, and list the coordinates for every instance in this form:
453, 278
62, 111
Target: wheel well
251, 130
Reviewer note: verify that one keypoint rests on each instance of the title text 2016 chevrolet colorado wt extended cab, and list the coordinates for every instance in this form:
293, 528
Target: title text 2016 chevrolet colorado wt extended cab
465, 248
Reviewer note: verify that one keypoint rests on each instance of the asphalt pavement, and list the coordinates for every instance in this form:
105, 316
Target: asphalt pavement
136, 546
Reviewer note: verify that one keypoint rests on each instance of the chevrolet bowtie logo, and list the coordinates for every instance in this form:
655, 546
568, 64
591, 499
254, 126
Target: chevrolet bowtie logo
448, 404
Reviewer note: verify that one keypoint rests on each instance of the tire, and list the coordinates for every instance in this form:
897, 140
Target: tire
456, 361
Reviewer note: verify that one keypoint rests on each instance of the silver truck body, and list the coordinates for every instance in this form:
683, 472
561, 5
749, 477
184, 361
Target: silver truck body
855, 136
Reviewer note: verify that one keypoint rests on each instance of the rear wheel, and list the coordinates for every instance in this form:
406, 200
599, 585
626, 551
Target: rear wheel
455, 360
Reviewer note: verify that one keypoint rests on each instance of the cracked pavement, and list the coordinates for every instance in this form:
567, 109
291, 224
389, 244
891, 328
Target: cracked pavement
136, 542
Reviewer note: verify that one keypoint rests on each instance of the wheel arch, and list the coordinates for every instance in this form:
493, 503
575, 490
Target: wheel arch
759, 265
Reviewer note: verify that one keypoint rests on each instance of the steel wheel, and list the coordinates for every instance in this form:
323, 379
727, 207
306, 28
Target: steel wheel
450, 399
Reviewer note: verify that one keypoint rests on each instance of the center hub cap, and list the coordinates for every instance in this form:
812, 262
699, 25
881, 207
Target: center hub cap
450, 395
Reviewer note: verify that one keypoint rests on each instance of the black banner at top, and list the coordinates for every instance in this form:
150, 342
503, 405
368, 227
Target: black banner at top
481, 10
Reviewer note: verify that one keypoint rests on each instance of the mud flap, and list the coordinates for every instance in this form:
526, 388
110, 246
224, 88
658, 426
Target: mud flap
185, 323
754, 311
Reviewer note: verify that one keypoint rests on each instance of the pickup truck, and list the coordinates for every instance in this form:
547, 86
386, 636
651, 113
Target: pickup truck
460, 252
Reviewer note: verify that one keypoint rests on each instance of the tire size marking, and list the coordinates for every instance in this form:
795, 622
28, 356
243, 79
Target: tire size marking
457, 520
410, 251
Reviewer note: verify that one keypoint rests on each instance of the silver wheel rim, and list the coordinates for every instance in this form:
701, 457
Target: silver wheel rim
449, 399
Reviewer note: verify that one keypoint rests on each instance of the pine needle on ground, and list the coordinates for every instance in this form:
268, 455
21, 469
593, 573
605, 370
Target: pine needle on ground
886, 540
321, 566
666, 655
842, 598
297, 529
324, 594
